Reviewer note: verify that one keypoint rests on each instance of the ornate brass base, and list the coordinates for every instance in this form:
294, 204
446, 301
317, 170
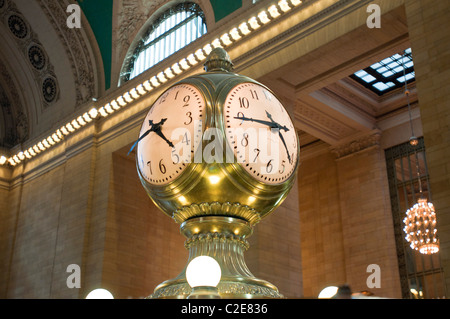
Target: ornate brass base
225, 239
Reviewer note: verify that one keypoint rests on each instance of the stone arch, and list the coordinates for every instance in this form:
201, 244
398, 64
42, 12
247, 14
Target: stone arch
50, 70
133, 21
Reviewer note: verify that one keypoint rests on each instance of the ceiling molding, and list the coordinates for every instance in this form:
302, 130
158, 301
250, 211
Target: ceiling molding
344, 106
301, 29
75, 44
320, 124
16, 126
32, 50
357, 144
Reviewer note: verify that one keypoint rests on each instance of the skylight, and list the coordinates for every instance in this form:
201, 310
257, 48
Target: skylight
388, 74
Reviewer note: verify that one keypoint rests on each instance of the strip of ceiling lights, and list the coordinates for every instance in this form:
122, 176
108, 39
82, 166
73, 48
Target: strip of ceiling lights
236, 33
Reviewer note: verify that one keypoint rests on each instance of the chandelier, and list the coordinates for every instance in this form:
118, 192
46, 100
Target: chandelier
420, 227
420, 220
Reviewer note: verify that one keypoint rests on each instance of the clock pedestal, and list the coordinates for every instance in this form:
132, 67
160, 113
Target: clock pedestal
225, 239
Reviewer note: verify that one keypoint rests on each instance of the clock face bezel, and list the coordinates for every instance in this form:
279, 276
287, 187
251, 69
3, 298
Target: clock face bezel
240, 166
187, 167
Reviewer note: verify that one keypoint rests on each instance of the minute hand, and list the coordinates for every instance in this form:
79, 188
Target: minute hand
281, 135
268, 123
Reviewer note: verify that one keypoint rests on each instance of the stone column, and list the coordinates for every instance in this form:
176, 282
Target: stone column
367, 225
322, 248
429, 32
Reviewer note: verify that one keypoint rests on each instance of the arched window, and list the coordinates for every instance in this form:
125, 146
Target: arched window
174, 29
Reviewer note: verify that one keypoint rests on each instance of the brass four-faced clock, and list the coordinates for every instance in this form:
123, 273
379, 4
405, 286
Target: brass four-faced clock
246, 130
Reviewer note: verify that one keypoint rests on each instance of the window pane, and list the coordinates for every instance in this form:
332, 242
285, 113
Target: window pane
368, 78
174, 29
394, 65
381, 86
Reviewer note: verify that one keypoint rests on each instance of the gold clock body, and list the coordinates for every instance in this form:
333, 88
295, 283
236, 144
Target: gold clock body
218, 188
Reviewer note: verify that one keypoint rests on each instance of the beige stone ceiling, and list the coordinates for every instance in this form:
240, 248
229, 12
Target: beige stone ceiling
327, 104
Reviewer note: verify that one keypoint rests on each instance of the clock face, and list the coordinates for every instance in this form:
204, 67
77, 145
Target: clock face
170, 134
261, 133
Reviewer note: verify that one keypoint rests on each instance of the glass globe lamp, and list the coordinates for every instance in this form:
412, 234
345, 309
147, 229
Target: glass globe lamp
413, 141
328, 292
100, 293
203, 274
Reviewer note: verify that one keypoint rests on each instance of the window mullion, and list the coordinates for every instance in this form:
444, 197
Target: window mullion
174, 29
166, 33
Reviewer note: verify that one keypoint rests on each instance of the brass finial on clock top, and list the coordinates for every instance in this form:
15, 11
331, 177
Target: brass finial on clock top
218, 60
218, 152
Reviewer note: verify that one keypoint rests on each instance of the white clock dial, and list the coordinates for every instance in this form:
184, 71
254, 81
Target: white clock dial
170, 134
261, 133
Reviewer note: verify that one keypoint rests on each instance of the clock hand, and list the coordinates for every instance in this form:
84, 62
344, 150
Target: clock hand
271, 124
281, 127
160, 134
140, 138
154, 127
285, 146
157, 130
243, 118
269, 116
281, 135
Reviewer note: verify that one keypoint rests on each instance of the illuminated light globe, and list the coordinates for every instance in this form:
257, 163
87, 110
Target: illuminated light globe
328, 292
203, 271
420, 227
203, 274
99, 294
413, 141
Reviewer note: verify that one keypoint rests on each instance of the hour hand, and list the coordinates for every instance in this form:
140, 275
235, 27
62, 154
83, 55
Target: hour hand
154, 127
160, 134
